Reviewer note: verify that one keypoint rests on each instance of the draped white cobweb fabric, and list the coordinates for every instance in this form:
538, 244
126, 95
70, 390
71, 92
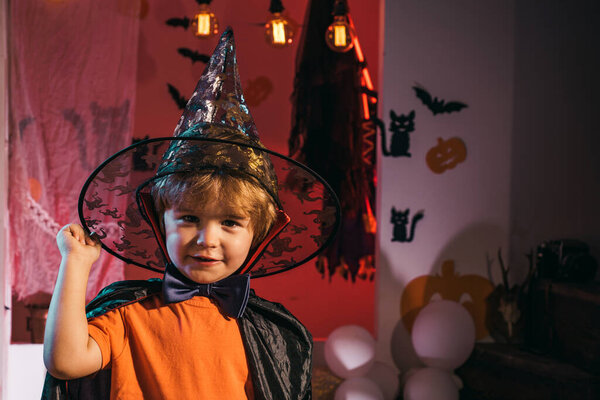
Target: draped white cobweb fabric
72, 95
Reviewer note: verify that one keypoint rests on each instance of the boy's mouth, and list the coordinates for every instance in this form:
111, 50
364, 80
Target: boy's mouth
204, 258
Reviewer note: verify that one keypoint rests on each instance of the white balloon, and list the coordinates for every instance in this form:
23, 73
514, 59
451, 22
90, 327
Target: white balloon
443, 334
431, 384
350, 351
358, 388
387, 378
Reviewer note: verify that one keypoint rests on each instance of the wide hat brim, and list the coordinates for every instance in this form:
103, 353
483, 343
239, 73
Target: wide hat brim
109, 205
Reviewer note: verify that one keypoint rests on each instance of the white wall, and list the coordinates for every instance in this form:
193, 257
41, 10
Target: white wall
458, 50
26, 373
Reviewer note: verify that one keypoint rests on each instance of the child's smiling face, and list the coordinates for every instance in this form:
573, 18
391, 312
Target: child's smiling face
207, 243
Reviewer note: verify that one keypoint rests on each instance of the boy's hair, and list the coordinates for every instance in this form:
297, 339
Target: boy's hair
235, 192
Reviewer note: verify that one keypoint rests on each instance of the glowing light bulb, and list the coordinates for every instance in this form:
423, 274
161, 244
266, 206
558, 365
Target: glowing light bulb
205, 23
340, 35
279, 31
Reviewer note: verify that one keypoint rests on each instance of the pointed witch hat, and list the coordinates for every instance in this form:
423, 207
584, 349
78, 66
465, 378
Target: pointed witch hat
216, 132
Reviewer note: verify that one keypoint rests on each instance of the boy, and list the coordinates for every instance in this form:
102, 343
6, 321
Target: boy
215, 207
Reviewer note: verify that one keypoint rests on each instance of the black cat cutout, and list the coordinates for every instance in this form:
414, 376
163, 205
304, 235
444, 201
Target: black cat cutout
400, 220
435, 105
400, 127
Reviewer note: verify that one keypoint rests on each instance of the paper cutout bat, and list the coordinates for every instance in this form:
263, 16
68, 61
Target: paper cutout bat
177, 97
183, 22
193, 55
437, 106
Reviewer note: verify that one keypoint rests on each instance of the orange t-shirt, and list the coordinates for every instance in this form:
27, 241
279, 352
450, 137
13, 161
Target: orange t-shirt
180, 351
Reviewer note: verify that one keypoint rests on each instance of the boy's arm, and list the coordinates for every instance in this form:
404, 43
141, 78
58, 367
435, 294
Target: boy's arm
69, 351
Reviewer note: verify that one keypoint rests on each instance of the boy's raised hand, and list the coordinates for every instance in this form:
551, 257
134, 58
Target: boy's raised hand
69, 352
73, 242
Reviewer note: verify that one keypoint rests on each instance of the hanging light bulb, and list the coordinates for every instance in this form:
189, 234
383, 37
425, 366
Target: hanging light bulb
340, 35
205, 22
279, 30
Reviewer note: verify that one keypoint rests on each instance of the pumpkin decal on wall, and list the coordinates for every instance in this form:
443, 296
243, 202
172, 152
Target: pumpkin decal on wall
469, 290
447, 154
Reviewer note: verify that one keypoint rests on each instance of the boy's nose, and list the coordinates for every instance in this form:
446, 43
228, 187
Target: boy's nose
207, 236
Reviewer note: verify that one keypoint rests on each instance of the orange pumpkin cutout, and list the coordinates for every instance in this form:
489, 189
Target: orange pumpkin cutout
446, 155
469, 290
257, 90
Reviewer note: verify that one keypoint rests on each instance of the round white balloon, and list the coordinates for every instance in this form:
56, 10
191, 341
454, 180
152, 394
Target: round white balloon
443, 334
350, 351
358, 388
431, 384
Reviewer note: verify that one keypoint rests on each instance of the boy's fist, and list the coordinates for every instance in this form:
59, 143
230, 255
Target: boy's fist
74, 242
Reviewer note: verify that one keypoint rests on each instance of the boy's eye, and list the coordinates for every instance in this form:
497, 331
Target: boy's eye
189, 218
230, 223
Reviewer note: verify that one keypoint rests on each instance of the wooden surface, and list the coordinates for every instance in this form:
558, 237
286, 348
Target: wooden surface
324, 384
565, 322
502, 371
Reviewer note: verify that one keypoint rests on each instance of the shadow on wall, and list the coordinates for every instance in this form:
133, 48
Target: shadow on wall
402, 351
459, 273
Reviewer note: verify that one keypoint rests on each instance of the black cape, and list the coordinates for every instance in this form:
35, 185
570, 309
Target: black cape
278, 348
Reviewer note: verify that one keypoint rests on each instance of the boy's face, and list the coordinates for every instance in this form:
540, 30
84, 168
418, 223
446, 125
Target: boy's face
207, 243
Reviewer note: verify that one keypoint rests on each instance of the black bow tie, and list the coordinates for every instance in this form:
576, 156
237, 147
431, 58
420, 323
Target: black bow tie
231, 293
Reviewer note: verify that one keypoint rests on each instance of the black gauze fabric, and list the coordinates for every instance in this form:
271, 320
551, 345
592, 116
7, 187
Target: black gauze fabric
279, 348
